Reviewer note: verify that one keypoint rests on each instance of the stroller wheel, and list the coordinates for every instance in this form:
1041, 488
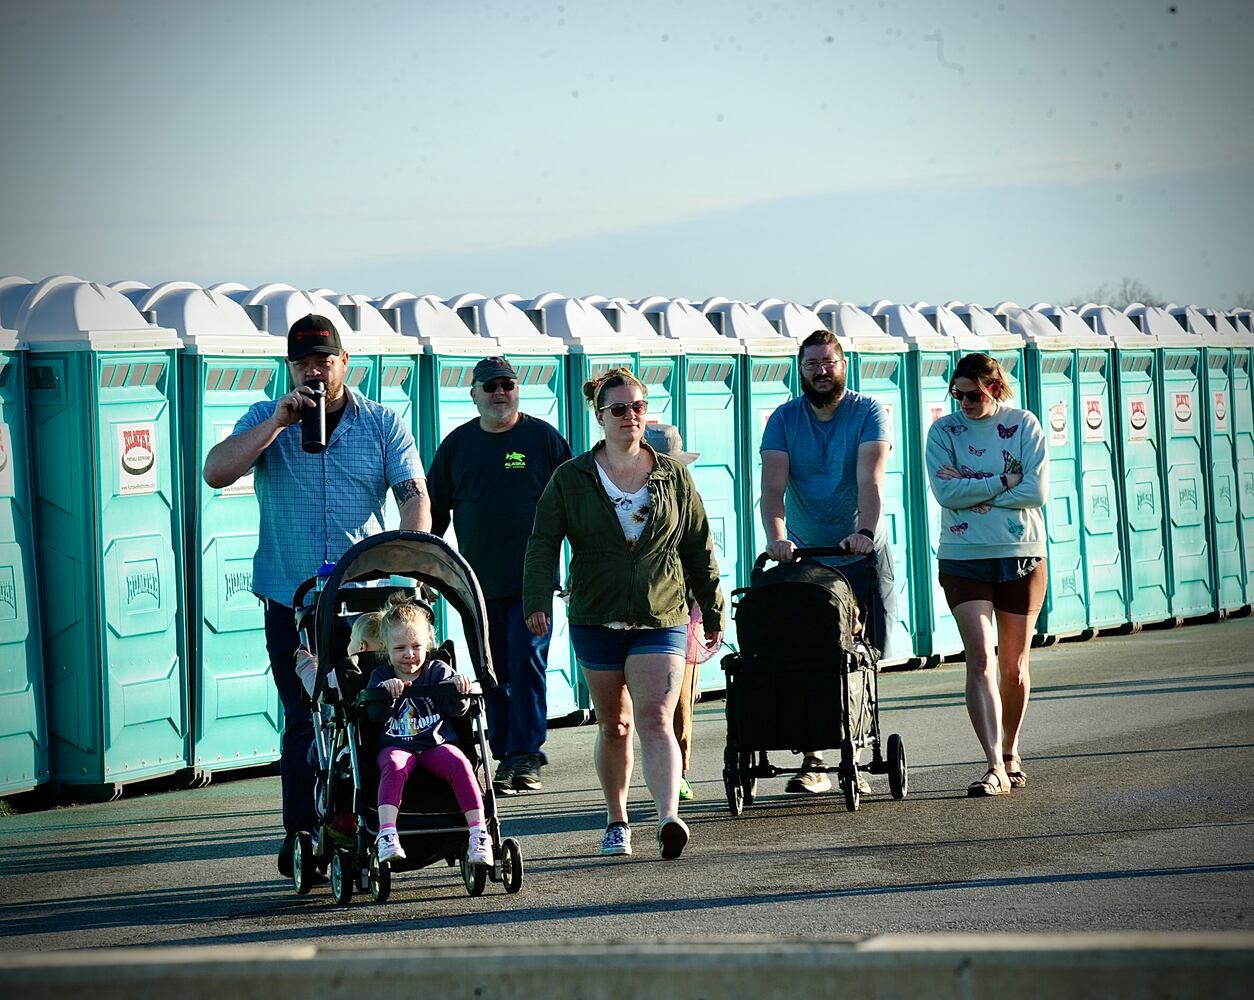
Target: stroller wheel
898, 776
475, 877
380, 881
303, 863
735, 792
341, 878
511, 865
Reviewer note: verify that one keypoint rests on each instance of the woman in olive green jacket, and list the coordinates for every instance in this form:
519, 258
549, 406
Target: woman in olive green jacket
640, 542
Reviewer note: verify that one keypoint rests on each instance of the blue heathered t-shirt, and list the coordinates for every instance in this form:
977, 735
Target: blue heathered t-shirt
821, 499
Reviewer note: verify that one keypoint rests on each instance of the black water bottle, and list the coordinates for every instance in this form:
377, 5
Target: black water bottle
313, 421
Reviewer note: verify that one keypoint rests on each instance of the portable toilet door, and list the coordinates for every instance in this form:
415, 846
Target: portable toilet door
104, 419
768, 374
1219, 455
23, 720
1243, 439
540, 361
878, 368
929, 360
226, 366
1142, 519
1050, 369
1183, 472
594, 347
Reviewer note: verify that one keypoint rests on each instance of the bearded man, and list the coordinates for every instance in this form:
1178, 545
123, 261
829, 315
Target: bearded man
823, 460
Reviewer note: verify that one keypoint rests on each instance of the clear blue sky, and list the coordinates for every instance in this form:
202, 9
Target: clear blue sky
862, 149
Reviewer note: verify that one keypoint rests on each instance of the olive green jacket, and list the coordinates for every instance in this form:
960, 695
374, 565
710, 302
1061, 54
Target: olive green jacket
609, 581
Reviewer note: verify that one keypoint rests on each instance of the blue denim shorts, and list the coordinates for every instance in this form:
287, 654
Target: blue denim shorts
601, 648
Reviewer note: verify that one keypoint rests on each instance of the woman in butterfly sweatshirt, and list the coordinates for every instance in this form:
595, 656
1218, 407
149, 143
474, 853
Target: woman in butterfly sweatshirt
989, 470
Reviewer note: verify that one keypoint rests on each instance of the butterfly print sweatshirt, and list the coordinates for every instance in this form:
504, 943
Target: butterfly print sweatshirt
981, 518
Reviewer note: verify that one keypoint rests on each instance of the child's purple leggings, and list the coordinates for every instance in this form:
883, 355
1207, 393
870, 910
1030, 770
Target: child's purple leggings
445, 761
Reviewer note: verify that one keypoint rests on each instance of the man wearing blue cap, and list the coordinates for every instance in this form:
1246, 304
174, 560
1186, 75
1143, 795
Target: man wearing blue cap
314, 507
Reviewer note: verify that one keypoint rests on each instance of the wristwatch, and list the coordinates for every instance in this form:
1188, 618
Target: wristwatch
867, 532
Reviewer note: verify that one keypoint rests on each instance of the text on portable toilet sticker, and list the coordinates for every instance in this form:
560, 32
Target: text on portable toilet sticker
1138, 419
8, 594
1094, 419
1058, 423
137, 456
242, 486
7, 488
143, 584
1221, 410
1181, 413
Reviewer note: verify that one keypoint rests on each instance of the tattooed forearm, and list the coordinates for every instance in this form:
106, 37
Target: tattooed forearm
408, 490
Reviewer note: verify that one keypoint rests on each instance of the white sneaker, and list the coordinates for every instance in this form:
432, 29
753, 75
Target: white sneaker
480, 849
389, 847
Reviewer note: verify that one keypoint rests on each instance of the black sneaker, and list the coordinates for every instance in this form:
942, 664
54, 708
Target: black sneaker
503, 782
527, 772
285, 855
812, 780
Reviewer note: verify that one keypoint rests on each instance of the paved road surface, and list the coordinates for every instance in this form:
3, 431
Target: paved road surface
1138, 816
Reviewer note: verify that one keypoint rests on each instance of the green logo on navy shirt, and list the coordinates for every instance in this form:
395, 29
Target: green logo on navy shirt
515, 460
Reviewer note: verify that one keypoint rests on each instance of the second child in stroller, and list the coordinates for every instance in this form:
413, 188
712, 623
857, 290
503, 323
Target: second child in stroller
417, 733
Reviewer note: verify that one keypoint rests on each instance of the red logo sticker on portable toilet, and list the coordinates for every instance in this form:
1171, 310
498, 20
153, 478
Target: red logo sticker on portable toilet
1138, 420
1094, 419
1221, 410
138, 459
1182, 413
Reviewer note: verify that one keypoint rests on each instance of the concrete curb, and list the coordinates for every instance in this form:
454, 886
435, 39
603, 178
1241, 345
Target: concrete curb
963, 967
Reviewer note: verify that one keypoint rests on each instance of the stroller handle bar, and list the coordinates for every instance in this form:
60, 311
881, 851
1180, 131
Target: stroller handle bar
815, 553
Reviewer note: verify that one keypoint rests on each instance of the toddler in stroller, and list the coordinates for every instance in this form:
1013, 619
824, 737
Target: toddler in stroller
402, 757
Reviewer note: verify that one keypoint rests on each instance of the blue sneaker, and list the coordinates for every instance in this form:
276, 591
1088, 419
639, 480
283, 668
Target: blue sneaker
617, 839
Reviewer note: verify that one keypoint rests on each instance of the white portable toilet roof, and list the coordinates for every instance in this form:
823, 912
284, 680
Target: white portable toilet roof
1034, 328
231, 289
371, 326
1162, 327
1117, 328
635, 327
1230, 328
437, 326
580, 325
855, 329
284, 305
209, 322
1073, 326
64, 313
986, 325
949, 324
755, 333
506, 322
688, 327
132, 289
13, 292
909, 325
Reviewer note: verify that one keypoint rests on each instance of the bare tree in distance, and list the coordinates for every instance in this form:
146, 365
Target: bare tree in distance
1243, 300
1128, 290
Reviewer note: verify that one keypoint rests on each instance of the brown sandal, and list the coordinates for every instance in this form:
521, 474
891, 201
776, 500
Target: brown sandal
991, 784
1014, 772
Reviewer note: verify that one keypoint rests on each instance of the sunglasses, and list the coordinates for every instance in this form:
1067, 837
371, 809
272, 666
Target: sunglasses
499, 384
638, 407
972, 397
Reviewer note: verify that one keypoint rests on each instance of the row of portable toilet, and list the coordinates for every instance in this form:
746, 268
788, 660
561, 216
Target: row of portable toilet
151, 641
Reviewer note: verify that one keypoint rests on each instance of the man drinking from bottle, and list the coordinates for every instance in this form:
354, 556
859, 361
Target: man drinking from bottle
314, 505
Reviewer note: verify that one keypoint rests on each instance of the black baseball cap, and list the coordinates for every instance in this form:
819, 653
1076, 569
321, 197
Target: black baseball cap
312, 334
495, 367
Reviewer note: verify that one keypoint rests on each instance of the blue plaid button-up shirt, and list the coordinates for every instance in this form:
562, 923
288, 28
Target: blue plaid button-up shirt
315, 507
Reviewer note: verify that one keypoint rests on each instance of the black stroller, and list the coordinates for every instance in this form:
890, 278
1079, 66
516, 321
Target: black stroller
348, 718
803, 679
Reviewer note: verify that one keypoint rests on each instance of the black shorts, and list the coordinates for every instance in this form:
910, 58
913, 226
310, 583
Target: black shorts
1022, 595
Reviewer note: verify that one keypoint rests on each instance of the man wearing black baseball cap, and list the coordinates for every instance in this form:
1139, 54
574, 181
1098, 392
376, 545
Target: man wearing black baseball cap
488, 475
313, 507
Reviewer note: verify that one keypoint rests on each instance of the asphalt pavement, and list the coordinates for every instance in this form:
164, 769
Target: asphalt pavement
1138, 816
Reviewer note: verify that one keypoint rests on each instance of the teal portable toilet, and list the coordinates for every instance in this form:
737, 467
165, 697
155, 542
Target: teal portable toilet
878, 366
1216, 337
23, 722
1094, 425
1134, 419
1182, 469
593, 346
767, 379
109, 505
1243, 436
226, 365
929, 361
377, 334
657, 356
1050, 393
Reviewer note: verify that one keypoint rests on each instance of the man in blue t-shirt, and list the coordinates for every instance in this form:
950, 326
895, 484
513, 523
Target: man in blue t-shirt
823, 460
